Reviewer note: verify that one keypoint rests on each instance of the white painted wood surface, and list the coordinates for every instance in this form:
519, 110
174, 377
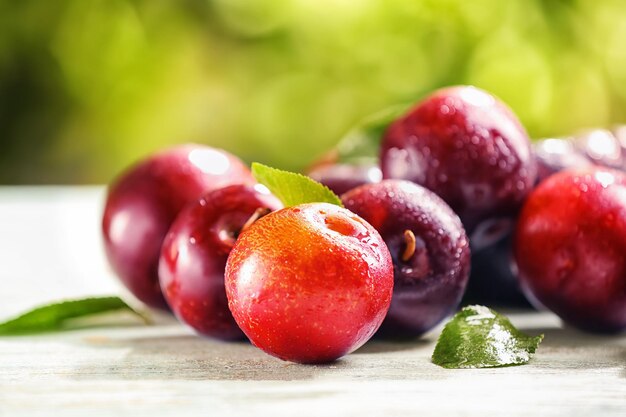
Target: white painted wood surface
50, 249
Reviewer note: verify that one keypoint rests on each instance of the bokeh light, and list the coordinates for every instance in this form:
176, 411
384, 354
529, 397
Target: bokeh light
88, 86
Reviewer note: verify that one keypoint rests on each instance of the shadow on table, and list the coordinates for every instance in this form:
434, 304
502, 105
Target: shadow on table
387, 346
189, 357
561, 344
561, 337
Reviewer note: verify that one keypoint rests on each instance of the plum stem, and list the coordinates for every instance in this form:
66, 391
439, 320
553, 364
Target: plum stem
409, 250
258, 213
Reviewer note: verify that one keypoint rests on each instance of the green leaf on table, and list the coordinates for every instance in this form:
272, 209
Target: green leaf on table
65, 315
478, 337
292, 188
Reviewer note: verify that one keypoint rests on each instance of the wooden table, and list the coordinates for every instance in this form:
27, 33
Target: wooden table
50, 249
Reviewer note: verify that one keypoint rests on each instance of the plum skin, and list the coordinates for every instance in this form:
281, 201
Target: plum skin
591, 147
466, 146
341, 177
429, 285
556, 154
494, 280
143, 201
194, 254
309, 283
570, 247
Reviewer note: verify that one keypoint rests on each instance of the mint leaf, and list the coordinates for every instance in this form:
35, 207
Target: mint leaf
291, 188
362, 142
478, 337
60, 316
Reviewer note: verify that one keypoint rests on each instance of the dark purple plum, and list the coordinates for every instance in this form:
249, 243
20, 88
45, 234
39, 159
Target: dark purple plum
570, 247
556, 154
592, 147
429, 249
619, 132
344, 177
142, 203
493, 280
601, 147
466, 146
194, 254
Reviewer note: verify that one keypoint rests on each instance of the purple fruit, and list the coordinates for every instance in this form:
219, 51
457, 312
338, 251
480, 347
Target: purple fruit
620, 134
601, 147
143, 202
194, 254
556, 154
341, 178
466, 146
493, 280
429, 249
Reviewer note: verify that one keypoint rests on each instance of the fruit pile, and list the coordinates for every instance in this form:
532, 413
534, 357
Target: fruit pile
309, 277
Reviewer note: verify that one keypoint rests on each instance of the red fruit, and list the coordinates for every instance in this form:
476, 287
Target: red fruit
431, 273
143, 202
194, 253
570, 247
309, 283
466, 146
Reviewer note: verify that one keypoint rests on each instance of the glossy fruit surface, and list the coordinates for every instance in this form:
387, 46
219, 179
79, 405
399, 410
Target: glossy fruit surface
556, 154
194, 253
142, 203
493, 279
466, 146
309, 283
601, 147
570, 247
619, 132
594, 146
344, 177
431, 267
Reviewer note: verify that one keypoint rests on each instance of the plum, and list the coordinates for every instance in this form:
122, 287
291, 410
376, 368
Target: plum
570, 247
466, 146
601, 147
309, 283
143, 202
556, 154
194, 253
429, 248
342, 177
494, 279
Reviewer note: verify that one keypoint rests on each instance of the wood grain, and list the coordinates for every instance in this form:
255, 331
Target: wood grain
166, 370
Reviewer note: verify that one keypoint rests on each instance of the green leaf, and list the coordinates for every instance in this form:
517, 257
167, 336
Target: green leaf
478, 337
291, 188
62, 315
362, 142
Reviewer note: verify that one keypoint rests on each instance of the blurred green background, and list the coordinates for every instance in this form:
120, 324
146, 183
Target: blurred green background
88, 86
